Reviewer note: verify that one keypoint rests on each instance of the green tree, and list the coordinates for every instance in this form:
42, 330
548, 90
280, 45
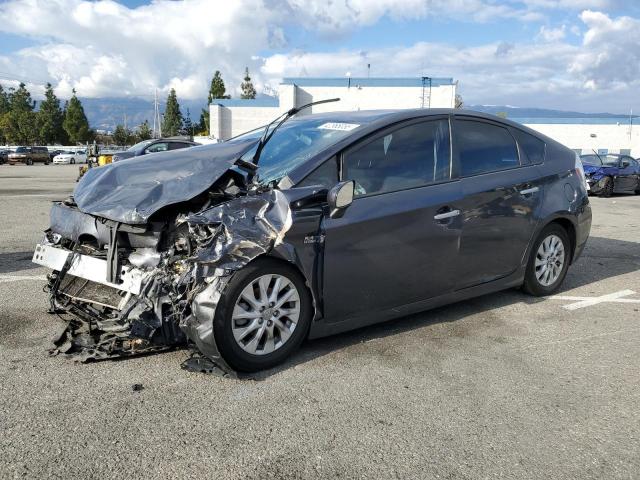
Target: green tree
122, 136
217, 88
172, 121
50, 118
187, 124
75, 121
19, 124
248, 90
203, 124
144, 132
4, 110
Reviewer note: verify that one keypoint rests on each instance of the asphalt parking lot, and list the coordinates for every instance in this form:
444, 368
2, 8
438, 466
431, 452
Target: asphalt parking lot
503, 386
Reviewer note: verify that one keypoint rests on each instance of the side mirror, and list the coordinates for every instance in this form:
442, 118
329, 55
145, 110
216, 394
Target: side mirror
340, 197
625, 164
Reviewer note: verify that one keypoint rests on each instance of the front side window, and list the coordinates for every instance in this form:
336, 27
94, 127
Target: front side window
484, 148
325, 175
408, 157
157, 147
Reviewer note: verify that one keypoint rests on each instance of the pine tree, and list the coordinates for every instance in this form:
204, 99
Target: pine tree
122, 136
50, 118
172, 121
217, 88
248, 91
19, 124
187, 125
144, 132
75, 121
204, 122
4, 112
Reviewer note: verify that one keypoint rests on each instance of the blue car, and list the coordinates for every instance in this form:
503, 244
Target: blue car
611, 173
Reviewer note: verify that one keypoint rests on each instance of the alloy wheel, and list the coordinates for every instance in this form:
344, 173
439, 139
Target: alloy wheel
550, 260
265, 314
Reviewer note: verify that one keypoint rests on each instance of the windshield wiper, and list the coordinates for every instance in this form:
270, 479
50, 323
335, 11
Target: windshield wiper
266, 136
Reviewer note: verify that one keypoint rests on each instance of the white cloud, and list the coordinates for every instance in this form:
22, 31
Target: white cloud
552, 34
106, 49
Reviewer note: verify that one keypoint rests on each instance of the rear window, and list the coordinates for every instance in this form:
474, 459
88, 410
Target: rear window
532, 148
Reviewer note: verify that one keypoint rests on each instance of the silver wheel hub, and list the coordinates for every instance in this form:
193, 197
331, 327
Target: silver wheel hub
265, 314
549, 261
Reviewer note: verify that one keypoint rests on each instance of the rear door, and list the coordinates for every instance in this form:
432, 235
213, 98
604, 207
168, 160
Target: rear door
397, 243
500, 196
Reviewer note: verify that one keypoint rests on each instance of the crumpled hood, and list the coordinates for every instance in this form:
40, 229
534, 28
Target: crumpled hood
131, 191
593, 169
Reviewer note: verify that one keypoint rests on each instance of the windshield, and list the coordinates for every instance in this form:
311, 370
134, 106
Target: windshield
293, 143
599, 161
139, 145
21, 150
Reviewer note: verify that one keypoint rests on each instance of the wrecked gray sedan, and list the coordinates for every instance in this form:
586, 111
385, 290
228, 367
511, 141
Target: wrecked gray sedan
308, 227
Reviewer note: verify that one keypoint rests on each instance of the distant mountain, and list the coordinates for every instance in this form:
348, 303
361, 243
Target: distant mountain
106, 113
524, 112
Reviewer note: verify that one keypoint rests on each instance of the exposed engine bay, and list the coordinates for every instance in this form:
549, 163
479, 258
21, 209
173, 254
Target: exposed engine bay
136, 289
135, 282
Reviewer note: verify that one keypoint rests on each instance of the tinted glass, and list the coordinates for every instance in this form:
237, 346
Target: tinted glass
178, 145
484, 148
407, 157
157, 147
325, 175
533, 148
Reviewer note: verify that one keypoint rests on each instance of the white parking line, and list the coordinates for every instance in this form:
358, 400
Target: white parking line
582, 302
19, 278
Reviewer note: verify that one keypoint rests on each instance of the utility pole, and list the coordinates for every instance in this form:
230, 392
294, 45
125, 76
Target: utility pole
157, 124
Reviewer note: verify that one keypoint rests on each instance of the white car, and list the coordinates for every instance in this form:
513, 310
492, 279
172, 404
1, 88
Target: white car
79, 156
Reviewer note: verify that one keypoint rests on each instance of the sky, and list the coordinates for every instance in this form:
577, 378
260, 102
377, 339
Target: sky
581, 55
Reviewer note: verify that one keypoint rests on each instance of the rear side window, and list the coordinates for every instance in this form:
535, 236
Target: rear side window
532, 148
178, 145
484, 148
407, 157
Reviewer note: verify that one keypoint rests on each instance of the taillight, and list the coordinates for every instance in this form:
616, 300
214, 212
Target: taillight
580, 172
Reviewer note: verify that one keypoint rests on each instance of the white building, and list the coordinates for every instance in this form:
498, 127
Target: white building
235, 116
623, 137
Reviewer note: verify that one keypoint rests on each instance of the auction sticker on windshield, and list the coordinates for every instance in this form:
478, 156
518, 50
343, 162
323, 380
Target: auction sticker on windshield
345, 127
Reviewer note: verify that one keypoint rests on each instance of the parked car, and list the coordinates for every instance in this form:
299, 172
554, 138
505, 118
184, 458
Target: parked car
611, 173
79, 156
53, 153
4, 156
154, 146
29, 155
327, 223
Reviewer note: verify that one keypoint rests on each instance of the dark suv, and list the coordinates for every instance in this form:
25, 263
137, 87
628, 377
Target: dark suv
30, 155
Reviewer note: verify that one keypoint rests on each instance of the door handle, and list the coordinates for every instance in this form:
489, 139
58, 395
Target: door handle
527, 191
445, 215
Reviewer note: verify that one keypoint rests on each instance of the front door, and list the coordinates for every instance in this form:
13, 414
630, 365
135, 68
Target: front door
397, 243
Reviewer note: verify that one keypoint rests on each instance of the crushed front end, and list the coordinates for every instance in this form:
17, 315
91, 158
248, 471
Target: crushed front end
130, 289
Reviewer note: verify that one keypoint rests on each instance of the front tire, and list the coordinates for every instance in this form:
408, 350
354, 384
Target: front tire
29, 161
72, 161
263, 316
548, 262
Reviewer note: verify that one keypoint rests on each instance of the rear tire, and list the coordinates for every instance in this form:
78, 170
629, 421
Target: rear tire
607, 187
547, 268
224, 323
29, 161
